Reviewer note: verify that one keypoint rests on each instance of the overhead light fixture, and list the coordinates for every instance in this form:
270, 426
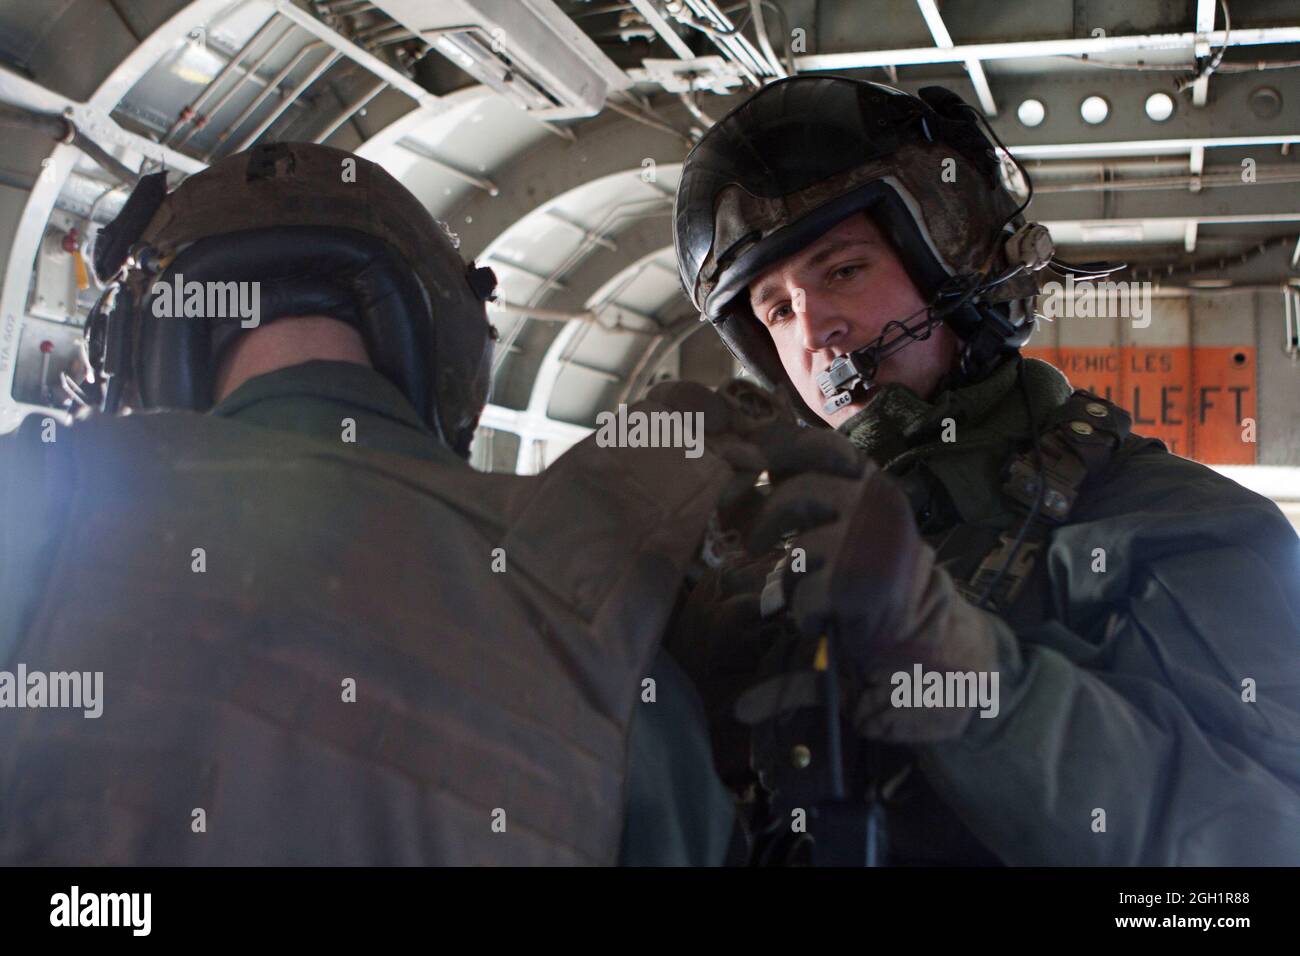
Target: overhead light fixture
1118, 232
529, 51
1031, 112
1094, 110
1160, 106
711, 73
472, 51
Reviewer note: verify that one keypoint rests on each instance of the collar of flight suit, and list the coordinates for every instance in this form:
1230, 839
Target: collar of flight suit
899, 422
317, 398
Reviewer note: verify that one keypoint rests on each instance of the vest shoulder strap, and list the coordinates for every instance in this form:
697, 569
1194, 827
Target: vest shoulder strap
1077, 441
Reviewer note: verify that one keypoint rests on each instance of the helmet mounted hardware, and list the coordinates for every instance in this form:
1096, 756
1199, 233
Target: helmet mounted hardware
1031, 247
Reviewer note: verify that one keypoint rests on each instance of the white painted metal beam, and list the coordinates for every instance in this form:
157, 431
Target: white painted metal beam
1147, 147
1220, 220
650, 11
1196, 161
1205, 11
974, 69
91, 119
1023, 49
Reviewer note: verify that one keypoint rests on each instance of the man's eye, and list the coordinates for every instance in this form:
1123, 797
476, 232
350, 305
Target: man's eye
779, 314
846, 272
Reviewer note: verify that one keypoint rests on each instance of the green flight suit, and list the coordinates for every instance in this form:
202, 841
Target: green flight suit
223, 692
1149, 670
1162, 691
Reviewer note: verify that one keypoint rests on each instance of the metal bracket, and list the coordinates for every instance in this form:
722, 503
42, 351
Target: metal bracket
1291, 316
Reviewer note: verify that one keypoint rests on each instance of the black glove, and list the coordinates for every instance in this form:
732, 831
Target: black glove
871, 583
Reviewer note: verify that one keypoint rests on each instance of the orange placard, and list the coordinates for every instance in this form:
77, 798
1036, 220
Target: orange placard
1199, 401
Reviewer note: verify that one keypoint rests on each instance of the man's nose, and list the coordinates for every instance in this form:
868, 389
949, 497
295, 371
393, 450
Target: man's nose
821, 323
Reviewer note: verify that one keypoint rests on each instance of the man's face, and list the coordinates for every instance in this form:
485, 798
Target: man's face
835, 296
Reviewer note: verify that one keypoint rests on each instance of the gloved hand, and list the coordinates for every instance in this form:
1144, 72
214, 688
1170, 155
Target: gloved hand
755, 430
872, 583
720, 637
728, 427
